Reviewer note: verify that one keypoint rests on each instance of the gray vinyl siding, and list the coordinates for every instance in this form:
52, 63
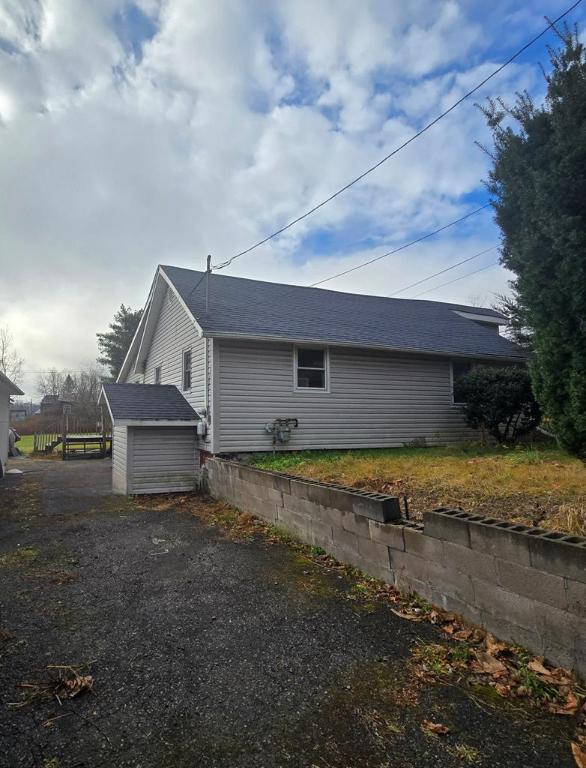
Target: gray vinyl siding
163, 459
119, 460
375, 399
174, 333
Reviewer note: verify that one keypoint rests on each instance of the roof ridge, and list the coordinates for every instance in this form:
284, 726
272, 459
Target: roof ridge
401, 299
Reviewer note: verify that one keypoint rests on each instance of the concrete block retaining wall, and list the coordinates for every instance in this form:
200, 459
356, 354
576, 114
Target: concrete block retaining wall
525, 585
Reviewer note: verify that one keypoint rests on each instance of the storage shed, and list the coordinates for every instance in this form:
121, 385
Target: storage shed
7, 388
154, 434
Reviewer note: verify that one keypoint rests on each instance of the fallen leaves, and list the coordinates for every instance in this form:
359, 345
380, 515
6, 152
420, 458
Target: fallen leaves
64, 682
486, 664
579, 755
436, 728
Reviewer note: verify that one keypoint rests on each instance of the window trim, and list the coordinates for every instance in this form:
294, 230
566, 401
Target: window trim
456, 403
159, 371
326, 350
184, 371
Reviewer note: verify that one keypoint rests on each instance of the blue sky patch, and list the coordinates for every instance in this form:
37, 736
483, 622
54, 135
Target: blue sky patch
133, 28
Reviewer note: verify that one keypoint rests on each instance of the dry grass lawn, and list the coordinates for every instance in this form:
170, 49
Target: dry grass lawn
534, 486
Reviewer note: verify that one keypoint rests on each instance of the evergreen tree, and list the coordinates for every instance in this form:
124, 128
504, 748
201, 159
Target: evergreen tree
114, 343
538, 183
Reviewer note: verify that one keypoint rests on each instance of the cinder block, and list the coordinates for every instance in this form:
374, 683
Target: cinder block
345, 539
407, 584
559, 554
500, 540
512, 633
470, 561
314, 492
390, 534
450, 603
576, 594
303, 506
560, 627
374, 551
322, 535
450, 525
377, 506
532, 583
505, 606
559, 656
356, 524
417, 543
332, 516
377, 571
347, 555
451, 582
259, 507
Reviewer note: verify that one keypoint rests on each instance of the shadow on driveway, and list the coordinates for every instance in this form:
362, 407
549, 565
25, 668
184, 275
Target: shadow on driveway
211, 652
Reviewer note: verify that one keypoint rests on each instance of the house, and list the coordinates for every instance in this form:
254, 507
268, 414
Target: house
7, 388
17, 412
264, 365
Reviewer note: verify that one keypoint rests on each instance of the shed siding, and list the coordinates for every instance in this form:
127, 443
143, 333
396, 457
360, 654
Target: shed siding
119, 460
4, 424
163, 459
375, 399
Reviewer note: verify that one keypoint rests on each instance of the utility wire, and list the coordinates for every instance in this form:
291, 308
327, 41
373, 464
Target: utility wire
441, 272
468, 274
403, 145
401, 247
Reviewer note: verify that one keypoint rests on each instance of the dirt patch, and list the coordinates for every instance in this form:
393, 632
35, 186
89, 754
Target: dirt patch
542, 487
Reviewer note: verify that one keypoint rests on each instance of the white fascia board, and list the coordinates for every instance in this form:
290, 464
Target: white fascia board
102, 398
157, 422
190, 314
482, 318
152, 315
357, 345
138, 334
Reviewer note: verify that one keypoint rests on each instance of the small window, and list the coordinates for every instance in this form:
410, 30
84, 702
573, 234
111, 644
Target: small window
158, 374
459, 370
311, 368
187, 369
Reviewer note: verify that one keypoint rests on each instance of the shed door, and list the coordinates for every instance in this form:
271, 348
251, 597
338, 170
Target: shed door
162, 460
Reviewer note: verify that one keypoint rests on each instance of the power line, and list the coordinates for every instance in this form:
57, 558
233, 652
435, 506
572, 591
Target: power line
401, 247
403, 145
441, 272
468, 274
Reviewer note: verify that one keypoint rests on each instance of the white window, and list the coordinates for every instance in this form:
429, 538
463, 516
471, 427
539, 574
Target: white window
311, 368
187, 369
158, 374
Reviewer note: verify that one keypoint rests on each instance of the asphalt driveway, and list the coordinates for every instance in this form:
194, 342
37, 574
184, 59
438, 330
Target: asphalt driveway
210, 652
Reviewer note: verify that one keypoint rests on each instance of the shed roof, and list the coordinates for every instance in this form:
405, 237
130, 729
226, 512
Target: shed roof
254, 308
11, 386
147, 402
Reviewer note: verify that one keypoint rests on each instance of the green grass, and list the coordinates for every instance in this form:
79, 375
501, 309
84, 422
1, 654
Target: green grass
535, 485
26, 445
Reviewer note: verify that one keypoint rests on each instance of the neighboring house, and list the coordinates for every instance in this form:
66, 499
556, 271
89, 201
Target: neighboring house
7, 388
17, 413
340, 370
50, 405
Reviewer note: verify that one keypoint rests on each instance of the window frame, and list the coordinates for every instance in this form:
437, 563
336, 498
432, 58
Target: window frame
457, 403
158, 374
185, 370
326, 369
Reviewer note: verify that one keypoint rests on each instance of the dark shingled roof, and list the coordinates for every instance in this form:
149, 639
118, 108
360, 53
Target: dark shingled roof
242, 307
145, 402
12, 388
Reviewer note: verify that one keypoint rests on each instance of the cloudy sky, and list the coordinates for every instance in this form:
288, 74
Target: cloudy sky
158, 131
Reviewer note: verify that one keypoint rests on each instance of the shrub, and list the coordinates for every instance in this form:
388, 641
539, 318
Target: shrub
500, 401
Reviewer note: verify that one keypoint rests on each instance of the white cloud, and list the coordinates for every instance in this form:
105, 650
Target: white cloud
236, 117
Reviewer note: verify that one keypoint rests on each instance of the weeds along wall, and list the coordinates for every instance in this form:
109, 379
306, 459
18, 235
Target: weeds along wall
525, 585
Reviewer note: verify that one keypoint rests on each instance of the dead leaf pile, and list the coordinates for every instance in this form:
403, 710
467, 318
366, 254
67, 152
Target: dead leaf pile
61, 682
436, 728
